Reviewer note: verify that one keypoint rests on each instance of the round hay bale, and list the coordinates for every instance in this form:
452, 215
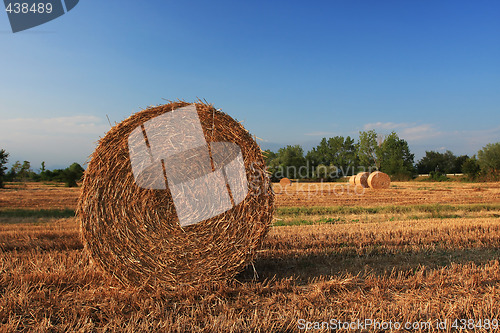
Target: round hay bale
362, 179
379, 180
176, 194
285, 182
352, 180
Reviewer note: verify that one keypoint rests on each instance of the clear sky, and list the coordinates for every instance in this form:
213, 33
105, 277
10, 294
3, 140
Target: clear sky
293, 71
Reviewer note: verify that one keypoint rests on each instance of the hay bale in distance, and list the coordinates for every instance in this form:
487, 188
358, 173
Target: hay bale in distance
362, 179
135, 233
285, 182
379, 180
352, 180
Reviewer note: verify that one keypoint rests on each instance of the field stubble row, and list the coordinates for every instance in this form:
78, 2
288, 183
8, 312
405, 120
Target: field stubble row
42, 196
413, 267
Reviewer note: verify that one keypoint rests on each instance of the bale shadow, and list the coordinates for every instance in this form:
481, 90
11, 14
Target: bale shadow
304, 268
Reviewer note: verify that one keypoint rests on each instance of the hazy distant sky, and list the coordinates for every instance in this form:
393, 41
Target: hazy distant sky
293, 71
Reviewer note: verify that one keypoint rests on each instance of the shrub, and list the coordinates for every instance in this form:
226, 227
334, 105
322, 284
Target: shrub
471, 168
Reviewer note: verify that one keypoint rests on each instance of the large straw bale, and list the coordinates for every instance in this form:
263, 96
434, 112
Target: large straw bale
133, 228
379, 180
362, 179
285, 182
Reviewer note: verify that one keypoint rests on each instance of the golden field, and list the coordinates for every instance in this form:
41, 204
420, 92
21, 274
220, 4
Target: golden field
418, 253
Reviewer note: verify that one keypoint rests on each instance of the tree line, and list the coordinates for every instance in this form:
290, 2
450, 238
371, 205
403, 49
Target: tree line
24, 172
333, 158
343, 156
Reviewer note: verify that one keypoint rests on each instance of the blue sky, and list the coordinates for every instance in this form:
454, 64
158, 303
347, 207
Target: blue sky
292, 71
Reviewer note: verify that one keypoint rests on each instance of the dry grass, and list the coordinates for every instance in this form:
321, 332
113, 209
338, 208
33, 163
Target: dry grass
38, 196
393, 262
399, 193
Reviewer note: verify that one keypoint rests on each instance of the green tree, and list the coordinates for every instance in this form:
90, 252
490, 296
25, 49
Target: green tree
471, 168
290, 163
72, 174
459, 162
271, 160
4, 158
338, 151
14, 171
348, 160
55, 175
395, 157
44, 173
25, 172
326, 172
319, 154
77, 170
268, 156
489, 159
434, 161
369, 149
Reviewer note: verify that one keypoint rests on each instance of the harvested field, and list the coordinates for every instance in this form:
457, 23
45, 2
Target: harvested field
399, 193
381, 259
39, 196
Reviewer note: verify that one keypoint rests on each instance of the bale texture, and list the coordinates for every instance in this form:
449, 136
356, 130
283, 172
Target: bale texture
379, 180
352, 180
362, 179
285, 182
134, 233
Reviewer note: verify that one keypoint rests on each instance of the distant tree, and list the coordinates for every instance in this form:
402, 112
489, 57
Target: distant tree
14, 171
319, 154
326, 172
268, 156
290, 162
369, 149
471, 168
338, 151
4, 158
10, 176
45, 175
434, 161
489, 159
69, 178
72, 174
271, 160
459, 162
395, 157
56, 175
25, 172
77, 170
